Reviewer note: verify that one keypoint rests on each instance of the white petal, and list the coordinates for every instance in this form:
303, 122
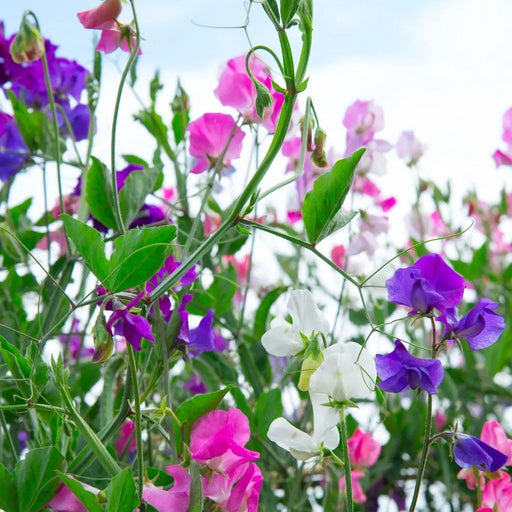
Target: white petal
305, 314
301, 445
326, 421
282, 339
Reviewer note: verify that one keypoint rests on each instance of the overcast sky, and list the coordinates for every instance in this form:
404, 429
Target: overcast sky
439, 67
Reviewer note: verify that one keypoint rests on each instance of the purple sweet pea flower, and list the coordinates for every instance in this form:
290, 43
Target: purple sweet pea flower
430, 283
400, 370
481, 327
470, 451
13, 150
133, 327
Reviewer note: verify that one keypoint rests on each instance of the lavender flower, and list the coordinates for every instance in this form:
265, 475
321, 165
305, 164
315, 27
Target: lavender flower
400, 370
430, 283
470, 451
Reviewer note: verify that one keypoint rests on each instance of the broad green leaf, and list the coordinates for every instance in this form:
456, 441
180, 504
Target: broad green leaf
99, 194
138, 255
17, 364
156, 127
87, 498
36, 478
90, 245
322, 204
288, 10
133, 194
7, 491
121, 493
261, 316
268, 408
192, 409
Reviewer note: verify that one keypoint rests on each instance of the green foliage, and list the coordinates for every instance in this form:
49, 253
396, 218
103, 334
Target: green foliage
121, 493
99, 194
87, 498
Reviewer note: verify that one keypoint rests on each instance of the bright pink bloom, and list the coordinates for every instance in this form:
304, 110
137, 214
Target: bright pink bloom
409, 148
127, 441
363, 449
114, 36
209, 136
484, 509
66, 501
440, 420
357, 491
175, 499
365, 186
502, 158
245, 494
338, 255
494, 435
101, 16
497, 494
293, 216
387, 204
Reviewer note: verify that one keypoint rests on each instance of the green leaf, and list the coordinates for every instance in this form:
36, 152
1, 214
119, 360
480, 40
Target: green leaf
268, 408
133, 194
99, 194
121, 493
192, 409
87, 498
138, 255
322, 204
288, 10
17, 365
36, 478
90, 245
7, 491
261, 316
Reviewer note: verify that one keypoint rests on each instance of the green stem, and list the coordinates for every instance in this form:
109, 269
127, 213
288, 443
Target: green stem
138, 425
346, 461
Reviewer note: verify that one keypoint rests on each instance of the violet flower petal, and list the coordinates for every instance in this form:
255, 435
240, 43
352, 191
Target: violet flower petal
470, 451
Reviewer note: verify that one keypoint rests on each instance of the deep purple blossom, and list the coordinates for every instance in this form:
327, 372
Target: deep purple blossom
130, 325
430, 283
400, 370
470, 451
13, 150
481, 327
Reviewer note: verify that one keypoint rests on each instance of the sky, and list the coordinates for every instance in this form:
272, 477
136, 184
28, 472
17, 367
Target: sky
438, 67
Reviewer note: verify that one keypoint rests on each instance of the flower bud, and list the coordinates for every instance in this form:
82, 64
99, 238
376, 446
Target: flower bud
103, 343
28, 45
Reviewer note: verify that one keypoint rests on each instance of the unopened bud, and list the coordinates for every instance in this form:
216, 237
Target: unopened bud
318, 157
28, 45
103, 343
263, 98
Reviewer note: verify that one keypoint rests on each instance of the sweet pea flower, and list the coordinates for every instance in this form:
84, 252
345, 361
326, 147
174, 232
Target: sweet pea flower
494, 435
497, 494
116, 35
101, 16
65, 501
470, 451
363, 450
357, 491
285, 339
481, 327
346, 373
400, 371
409, 148
175, 499
209, 136
13, 150
127, 441
362, 120
302, 445
430, 283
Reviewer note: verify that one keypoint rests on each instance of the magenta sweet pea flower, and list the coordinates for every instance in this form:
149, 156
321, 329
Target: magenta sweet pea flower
481, 327
470, 451
102, 15
494, 435
358, 494
400, 370
363, 450
213, 136
175, 499
430, 283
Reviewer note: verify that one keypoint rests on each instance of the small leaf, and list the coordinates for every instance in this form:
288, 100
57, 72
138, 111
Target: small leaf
90, 245
121, 493
138, 255
261, 316
322, 204
288, 10
87, 498
36, 478
99, 194
7, 491
17, 365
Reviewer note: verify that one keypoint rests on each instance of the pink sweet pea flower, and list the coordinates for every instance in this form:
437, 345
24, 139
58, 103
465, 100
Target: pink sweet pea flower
470, 477
363, 449
507, 126
497, 494
364, 118
494, 435
175, 499
387, 203
101, 16
245, 494
209, 136
357, 491
501, 158
409, 148
116, 35
66, 501
127, 440
338, 255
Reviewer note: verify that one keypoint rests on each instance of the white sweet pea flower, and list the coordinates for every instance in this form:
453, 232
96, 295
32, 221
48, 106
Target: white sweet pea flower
304, 446
283, 338
346, 373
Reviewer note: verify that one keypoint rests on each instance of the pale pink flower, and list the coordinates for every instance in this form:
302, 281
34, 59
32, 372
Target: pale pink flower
497, 494
365, 241
373, 160
58, 236
507, 126
363, 450
494, 435
470, 477
115, 35
209, 137
374, 223
409, 148
101, 16
175, 499
365, 186
362, 120
438, 226
440, 420
357, 491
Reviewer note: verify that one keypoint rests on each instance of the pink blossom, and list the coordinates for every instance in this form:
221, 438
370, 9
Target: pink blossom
66, 501
58, 236
362, 120
127, 441
365, 241
438, 226
245, 494
236, 90
364, 185
294, 216
357, 491
387, 203
497, 494
101, 16
507, 126
209, 136
363, 449
494, 435
175, 499
373, 160
502, 158
471, 479
115, 35
338, 255
409, 148
440, 420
